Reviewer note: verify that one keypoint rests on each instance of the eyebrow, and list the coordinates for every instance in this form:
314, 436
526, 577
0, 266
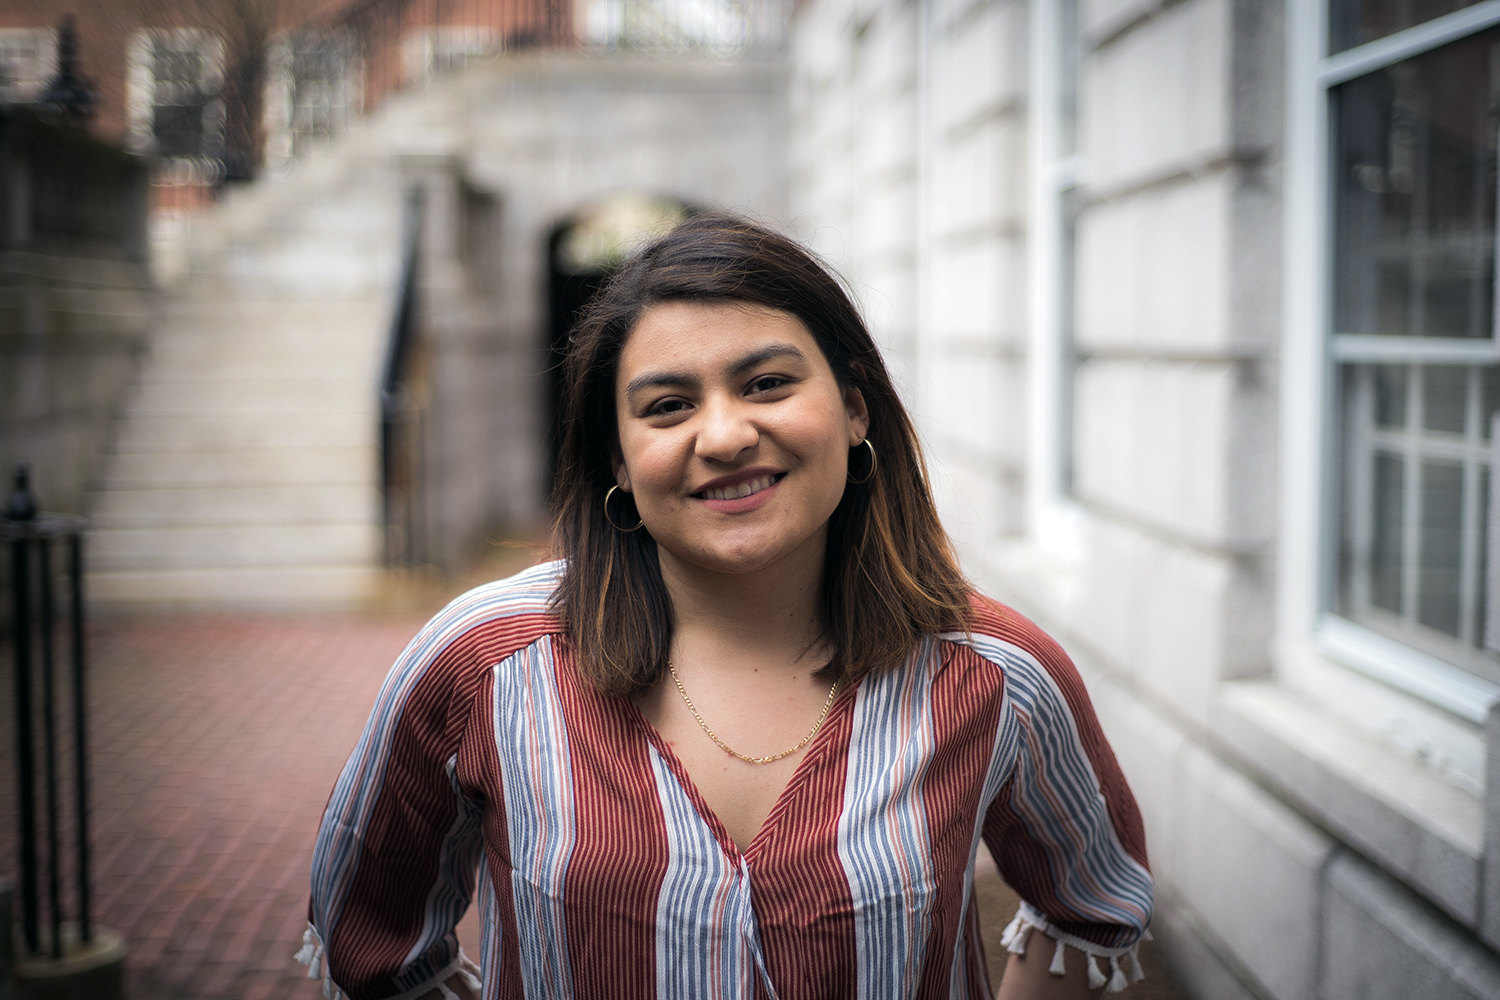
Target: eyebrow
651, 380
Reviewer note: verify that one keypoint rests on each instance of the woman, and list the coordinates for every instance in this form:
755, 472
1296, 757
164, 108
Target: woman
744, 738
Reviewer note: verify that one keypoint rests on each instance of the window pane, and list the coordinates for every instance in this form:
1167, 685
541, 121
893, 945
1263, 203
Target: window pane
1489, 380
1481, 583
1442, 507
178, 130
1443, 402
1415, 191
1390, 396
1385, 545
1354, 22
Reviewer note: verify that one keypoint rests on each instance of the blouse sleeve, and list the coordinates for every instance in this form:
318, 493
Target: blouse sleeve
396, 855
1064, 829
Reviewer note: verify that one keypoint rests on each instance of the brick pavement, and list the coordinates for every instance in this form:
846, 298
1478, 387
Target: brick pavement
216, 741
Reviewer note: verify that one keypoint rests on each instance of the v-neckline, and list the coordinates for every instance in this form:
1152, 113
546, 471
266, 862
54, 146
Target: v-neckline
837, 715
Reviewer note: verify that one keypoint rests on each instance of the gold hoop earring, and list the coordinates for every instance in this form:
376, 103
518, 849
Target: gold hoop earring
611, 520
869, 475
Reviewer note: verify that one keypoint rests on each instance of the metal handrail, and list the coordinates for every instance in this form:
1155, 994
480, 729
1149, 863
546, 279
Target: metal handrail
396, 404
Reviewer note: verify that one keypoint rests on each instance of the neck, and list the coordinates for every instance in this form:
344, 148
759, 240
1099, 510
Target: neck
768, 620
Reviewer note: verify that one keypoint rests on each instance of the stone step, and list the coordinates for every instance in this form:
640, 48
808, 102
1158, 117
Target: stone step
246, 468
254, 396
302, 587
307, 465
234, 506
227, 432
253, 545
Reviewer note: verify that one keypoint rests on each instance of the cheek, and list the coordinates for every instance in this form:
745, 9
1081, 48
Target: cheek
649, 462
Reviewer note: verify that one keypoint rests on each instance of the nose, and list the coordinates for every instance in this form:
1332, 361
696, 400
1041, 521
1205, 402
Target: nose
726, 432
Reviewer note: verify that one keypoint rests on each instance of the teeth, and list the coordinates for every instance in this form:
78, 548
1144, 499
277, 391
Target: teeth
742, 490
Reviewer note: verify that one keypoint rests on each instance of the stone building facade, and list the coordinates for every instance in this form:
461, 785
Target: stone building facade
1201, 343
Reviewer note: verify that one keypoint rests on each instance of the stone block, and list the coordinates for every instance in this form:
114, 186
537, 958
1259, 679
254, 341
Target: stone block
1489, 900
886, 295
980, 405
1152, 269
1150, 439
1100, 18
1380, 942
1157, 100
979, 64
979, 178
976, 505
887, 217
1251, 869
887, 58
1392, 809
1199, 965
979, 290
1180, 613
888, 136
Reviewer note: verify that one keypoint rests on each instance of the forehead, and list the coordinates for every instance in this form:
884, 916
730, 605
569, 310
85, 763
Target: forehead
703, 336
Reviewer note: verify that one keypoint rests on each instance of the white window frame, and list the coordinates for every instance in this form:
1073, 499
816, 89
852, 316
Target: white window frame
1054, 519
43, 44
140, 90
1310, 359
429, 54
280, 118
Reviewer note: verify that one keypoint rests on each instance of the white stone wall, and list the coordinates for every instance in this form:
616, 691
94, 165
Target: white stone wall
1302, 844
908, 173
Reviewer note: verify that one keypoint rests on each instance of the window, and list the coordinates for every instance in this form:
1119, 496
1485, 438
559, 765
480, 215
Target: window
433, 53
1056, 202
723, 26
175, 108
312, 92
28, 62
1411, 110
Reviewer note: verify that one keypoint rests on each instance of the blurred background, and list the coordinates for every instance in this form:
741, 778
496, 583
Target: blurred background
1193, 301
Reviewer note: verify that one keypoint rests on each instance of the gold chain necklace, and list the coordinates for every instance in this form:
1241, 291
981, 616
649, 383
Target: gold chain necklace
822, 716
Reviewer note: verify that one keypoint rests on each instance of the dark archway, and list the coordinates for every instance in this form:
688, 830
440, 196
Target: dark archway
583, 250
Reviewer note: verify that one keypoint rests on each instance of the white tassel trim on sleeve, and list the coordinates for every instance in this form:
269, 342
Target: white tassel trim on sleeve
1124, 963
311, 955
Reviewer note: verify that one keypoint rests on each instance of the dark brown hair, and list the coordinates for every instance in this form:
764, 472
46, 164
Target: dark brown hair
890, 575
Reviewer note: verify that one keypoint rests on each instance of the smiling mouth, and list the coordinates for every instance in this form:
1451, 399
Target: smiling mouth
746, 489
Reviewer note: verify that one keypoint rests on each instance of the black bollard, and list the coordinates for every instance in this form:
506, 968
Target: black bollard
30, 535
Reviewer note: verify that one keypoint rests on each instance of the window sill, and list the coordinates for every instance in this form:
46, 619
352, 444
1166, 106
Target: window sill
1426, 830
1457, 691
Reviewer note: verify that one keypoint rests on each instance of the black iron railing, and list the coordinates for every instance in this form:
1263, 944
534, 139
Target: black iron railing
31, 538
402, 406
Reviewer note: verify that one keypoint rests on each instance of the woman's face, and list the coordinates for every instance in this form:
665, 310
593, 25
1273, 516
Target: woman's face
734, 435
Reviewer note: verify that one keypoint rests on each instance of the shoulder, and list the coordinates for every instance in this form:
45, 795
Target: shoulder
479, 629
1001, 638
496, 619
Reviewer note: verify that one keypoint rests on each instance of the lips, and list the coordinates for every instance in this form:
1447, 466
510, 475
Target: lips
734, 492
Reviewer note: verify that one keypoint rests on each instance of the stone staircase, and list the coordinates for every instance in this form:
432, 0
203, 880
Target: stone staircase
245, 469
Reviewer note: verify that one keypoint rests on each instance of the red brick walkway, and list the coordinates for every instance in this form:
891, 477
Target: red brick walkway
216, 741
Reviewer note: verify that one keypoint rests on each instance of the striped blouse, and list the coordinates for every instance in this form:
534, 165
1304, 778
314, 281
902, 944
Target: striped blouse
601, 871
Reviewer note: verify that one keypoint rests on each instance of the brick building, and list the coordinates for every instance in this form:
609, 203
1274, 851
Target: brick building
216, 91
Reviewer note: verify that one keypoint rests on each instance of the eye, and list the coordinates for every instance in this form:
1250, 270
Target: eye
769, 383
670, 406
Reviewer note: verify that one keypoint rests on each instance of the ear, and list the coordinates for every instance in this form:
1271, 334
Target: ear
622, 474
859, 416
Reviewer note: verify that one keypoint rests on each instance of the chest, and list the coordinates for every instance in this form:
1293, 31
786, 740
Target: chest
585, 791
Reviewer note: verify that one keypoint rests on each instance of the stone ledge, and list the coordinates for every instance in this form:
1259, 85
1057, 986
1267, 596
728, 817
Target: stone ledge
1424, 830
1382, 943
